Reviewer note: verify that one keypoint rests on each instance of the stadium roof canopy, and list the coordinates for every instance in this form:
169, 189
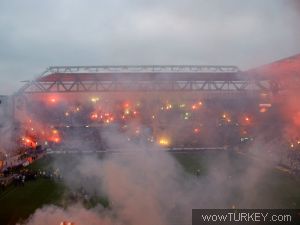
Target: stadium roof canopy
140, 73
282, 69
273, 77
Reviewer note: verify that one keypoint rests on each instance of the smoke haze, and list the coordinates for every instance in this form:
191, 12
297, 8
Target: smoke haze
146, 185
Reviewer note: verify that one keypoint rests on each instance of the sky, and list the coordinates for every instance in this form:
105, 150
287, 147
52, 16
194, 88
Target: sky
36, 34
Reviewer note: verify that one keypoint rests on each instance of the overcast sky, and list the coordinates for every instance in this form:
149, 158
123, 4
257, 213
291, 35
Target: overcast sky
35, 34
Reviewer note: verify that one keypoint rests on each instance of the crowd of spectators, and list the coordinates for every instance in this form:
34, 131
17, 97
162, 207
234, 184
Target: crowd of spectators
18, 176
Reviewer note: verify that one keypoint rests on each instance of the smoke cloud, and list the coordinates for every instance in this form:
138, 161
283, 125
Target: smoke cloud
7, 131
52, 215
147, 185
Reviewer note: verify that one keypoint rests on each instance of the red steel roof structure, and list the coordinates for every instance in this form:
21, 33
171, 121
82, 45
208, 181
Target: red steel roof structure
272, 77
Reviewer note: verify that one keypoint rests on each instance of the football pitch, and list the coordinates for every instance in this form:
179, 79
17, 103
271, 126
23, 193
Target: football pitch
274, 189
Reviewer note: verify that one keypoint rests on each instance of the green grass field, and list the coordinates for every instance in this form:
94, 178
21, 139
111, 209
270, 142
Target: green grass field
273, 188
18, 203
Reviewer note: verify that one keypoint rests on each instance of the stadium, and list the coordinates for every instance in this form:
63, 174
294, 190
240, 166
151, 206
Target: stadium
167, 105
198, 115
155, 112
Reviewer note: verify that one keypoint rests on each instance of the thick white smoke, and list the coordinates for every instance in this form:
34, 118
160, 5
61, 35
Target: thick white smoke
6, 127
146, 185
55, 215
